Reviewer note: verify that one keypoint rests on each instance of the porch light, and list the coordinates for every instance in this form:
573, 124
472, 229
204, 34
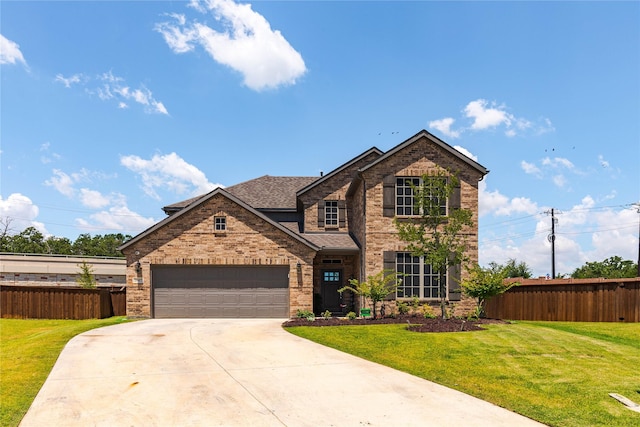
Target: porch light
138, 267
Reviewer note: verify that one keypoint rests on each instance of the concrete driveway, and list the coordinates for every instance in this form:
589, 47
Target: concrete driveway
222, 372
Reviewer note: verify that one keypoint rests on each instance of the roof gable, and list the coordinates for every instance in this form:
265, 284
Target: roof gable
372, 150
424, 134
203, 199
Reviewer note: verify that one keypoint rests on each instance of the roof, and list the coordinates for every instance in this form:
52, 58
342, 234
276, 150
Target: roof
264, 193
424, 134
372, 150
271, 192
203, 199
332, 241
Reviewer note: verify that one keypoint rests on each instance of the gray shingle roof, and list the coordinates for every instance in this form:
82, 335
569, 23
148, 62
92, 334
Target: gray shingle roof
271, 192
266, 192
342, 241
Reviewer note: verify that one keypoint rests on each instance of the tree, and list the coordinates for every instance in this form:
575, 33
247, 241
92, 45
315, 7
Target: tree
435, 235
85, 277
376, 287
613, 268
29, 241
5, 234
58, 245
484, 283
512, 268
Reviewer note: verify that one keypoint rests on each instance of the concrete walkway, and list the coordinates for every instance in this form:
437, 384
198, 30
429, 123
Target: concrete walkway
223, 372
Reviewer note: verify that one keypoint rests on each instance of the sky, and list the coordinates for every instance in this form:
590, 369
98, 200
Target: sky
111, 110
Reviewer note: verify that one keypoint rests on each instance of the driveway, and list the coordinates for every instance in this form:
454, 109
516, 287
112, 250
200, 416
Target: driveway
249, 372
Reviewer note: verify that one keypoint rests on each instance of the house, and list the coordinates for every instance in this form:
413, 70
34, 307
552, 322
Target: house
274, 245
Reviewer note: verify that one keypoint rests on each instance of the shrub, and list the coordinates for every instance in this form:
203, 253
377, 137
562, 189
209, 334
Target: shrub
403, 307
351, 315
326, 315
305, 314
428, 312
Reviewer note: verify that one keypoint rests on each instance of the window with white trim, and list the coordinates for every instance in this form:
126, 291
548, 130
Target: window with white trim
405, 192
220, 223
418, 279
331, 213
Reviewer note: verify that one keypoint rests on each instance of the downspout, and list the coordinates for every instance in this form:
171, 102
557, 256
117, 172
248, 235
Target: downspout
363, 252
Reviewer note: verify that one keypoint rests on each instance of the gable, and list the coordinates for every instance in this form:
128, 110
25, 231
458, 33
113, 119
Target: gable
196, 213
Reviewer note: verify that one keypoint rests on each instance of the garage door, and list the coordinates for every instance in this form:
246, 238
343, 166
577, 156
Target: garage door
220, 291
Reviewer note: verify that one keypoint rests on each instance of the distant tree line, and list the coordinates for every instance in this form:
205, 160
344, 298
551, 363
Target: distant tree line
32, 241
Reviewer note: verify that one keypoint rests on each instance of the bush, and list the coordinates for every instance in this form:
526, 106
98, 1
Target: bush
305, 314
403, 307
351, 315
428, 312
326, 315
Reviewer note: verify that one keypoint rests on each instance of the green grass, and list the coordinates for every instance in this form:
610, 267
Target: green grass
28, 351
554, 372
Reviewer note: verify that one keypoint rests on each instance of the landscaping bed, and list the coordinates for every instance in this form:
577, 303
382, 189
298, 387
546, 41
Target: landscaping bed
414, 323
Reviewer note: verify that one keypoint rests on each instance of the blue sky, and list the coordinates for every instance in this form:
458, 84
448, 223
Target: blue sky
111, 110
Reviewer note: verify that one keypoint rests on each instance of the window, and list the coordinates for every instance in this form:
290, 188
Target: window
220, 223
331, 213
419, 280
331, 276
405, 201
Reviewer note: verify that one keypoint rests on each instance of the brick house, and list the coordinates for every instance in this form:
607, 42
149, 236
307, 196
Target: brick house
272, 245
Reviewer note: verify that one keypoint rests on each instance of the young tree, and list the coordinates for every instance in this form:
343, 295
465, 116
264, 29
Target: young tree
85, 277
376, 287
437, 234
484, 283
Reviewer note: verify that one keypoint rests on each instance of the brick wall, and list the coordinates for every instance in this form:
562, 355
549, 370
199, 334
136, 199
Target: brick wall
415, 160
189, 239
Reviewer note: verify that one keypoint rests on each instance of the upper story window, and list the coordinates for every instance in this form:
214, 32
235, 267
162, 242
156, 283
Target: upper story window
406, 188
331, 213
220, 223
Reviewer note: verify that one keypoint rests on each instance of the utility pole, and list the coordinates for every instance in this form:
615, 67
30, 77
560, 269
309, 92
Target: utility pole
552, 239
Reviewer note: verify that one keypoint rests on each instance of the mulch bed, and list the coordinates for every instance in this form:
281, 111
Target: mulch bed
414, 323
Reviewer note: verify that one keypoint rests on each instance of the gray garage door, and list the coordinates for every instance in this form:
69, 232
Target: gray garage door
220, 291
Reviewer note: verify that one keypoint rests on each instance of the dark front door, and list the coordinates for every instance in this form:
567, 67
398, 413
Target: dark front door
331, 282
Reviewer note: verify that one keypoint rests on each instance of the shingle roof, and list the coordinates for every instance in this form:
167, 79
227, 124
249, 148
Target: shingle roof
342, 241
265, 192
271, 192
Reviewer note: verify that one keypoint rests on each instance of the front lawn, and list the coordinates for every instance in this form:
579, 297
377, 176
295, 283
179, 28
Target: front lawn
557, 373
28, 351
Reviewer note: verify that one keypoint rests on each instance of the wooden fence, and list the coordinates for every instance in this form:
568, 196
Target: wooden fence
48, 302
571, 300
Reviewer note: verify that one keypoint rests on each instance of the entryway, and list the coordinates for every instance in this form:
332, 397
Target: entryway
331, 281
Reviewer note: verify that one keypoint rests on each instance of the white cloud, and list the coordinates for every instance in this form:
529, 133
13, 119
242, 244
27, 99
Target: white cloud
247, 44
558, 162
444, 126
10, 52
107, 86
93, 199
117, 218
559, 180
21, 213
530, 168
62, 182
47, 156
486, 117
466, 152
169, 172
68, 81
602, 161
493, 202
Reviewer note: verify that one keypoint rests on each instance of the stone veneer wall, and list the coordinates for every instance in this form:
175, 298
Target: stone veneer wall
190, 239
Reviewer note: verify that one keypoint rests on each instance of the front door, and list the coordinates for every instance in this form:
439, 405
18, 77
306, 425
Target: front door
331, 298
